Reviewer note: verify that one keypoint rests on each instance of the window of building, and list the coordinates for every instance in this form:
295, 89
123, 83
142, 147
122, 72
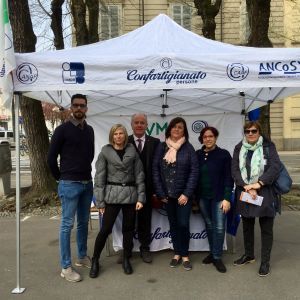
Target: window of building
109, 22
182, 14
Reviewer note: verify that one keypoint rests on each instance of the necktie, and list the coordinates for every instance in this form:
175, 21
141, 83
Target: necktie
140, 146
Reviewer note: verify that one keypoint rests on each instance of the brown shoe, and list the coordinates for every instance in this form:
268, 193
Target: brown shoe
146, 256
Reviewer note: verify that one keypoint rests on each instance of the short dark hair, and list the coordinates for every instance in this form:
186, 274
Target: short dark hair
172, 124
214, 131
80, 96
255, 124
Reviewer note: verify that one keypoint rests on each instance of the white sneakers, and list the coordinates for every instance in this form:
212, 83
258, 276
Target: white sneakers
70, 275
84, 262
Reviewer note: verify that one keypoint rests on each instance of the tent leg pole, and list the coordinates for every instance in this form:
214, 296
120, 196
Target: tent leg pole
18, 289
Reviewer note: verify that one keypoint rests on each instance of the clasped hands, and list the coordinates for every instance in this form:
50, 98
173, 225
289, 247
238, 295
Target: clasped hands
252, 189
182, 200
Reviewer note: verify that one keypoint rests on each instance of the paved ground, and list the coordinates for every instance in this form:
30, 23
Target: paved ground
40, 269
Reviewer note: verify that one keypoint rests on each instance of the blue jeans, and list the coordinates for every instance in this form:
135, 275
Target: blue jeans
75, 197
179, 219
214, 219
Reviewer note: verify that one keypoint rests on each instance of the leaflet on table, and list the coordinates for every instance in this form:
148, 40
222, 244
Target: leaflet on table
246, 197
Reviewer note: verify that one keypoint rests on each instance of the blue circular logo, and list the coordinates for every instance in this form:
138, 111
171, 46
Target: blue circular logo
166, 63
237, 71
198, 125
27, 73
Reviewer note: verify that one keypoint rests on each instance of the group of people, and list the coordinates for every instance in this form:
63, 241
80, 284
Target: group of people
130, 170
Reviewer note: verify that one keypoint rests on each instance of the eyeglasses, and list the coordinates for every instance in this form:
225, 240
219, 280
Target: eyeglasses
75, 105
252, 131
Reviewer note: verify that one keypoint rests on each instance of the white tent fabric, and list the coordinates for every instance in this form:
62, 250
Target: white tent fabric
161, 63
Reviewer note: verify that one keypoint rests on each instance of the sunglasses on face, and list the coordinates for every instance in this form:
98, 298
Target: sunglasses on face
75, 105
252, 131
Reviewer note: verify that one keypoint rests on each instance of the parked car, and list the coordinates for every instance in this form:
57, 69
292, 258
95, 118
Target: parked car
7, 137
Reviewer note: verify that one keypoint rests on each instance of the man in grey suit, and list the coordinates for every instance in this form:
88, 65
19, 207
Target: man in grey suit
145, 145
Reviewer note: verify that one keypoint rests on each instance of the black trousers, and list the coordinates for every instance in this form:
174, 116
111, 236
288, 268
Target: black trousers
109, 218
266, 228
144, 225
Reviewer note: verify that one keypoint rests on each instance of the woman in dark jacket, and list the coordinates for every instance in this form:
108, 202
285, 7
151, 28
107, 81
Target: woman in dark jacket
118, 185
255, 166
175, 176
214, 193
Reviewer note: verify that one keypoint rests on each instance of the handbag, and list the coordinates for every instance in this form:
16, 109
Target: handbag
156, 202
283, 183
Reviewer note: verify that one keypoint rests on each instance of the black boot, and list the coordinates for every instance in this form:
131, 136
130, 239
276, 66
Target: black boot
127, 266
94, 268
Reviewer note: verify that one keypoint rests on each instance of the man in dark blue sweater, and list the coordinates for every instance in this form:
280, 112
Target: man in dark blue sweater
73, 141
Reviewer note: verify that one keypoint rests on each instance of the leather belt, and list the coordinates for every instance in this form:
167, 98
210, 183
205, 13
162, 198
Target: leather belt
121, 184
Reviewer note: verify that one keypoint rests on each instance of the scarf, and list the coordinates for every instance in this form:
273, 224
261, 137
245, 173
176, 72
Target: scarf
170, 156
257, 160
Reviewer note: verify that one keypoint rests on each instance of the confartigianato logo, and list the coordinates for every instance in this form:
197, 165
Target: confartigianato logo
237, 71
2, 70
279, 69
159, 234
179, 77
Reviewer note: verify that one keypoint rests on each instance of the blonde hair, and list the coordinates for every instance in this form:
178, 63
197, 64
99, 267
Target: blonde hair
113, 130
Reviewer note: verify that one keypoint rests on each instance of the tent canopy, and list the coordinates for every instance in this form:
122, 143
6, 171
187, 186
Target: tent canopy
161, 64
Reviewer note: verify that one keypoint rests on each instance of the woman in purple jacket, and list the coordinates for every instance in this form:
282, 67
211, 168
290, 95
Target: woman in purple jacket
175, 176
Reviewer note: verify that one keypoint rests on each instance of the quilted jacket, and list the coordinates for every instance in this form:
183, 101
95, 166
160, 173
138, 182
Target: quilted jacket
110, 168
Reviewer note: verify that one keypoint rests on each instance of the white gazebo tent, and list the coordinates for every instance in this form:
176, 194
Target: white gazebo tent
163, 70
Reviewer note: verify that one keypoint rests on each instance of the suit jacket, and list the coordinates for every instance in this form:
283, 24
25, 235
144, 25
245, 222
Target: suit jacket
147, 157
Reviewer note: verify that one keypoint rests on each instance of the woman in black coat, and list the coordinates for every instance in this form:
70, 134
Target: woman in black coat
255, 166
175, 175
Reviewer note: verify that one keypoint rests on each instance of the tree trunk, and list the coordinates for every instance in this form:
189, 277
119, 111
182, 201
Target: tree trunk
79, 18
208, 12
93, 7
38, 143
34, 123
56, 23
259, 15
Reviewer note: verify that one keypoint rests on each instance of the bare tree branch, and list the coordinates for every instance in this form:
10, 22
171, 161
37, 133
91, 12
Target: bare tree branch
43, 8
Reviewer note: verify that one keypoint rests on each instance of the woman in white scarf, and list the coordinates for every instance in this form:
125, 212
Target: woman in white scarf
254, 171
